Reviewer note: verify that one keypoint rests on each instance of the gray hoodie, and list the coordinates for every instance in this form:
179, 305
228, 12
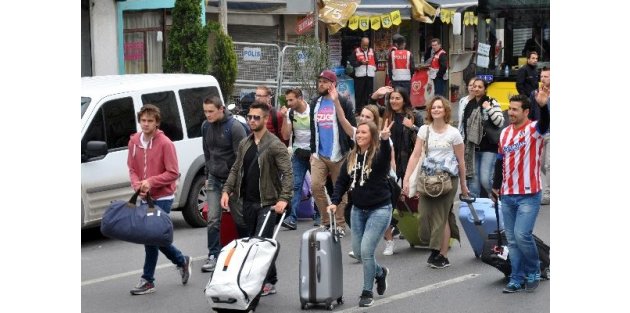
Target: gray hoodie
218, 151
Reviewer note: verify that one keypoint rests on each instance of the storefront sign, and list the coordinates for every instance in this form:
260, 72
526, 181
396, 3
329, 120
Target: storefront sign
483, 55
304, 25
251, 54
134, 50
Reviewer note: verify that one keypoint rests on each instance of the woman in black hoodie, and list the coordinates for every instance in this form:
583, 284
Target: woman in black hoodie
364, 175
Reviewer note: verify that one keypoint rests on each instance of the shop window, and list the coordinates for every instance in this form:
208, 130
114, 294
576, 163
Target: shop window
144, 34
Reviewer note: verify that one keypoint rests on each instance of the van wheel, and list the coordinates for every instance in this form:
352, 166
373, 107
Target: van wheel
196, 198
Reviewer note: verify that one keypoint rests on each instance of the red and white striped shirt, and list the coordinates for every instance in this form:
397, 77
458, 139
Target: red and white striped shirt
521, 150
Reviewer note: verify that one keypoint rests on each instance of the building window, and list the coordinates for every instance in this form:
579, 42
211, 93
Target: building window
144, 35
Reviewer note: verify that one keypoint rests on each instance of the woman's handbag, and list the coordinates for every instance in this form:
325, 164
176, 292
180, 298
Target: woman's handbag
145, 224
433, 185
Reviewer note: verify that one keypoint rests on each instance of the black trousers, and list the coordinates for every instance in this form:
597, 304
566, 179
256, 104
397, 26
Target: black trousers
363, 87
254, 217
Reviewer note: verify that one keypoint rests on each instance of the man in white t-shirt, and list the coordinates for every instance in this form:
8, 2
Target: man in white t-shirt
297, 128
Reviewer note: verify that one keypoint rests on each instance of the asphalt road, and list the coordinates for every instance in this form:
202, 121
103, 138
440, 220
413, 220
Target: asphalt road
110, 268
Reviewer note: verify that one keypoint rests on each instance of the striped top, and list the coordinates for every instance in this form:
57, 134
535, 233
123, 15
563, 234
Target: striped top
521, 151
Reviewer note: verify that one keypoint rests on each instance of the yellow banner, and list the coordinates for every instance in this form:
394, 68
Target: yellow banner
364, 23
470, 18
375, 22
386, 20
337, 11
423, 12
353, 22
446, 16
396, 19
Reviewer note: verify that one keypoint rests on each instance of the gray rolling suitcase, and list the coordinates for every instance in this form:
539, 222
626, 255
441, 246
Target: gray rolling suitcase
321, 271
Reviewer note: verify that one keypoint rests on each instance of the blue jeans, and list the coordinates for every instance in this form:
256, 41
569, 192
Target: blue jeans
213, 194
151, 252
300, 167
439, 85
519, 215
368, 227
484, 169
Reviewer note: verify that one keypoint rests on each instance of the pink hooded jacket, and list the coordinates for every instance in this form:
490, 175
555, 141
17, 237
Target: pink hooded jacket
158, 164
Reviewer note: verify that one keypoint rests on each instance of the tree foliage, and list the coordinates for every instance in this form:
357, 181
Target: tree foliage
223, 60
188, 40
309, 59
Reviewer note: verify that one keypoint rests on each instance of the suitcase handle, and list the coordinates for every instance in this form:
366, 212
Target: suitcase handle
134, 200
333, 226
271, 209
470, 199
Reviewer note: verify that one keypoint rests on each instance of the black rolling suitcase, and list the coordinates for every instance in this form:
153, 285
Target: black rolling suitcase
494, 248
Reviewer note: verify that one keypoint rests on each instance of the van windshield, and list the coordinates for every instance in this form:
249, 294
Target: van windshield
85, 102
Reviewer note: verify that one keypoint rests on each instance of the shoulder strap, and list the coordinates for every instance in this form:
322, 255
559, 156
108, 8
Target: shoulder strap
204, 131
274, 121
426, 142
228, 128
292, 119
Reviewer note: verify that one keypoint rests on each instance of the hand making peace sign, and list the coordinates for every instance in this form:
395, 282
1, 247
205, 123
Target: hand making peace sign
385, 133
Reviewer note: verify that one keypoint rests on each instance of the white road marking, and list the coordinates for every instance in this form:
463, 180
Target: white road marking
410, 293
131, 273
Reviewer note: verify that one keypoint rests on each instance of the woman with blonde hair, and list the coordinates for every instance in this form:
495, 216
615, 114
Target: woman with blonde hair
445, 153
364, 175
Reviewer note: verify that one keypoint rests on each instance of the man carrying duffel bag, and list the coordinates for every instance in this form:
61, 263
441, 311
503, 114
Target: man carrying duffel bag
153, 168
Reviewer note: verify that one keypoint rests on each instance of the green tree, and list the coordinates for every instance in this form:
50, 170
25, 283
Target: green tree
223, 60
188, 40
306, 61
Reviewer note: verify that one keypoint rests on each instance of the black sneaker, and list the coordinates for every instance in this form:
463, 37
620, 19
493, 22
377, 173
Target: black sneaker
290, 225
513, 287
396, 233
440, 262
366, 299
143, 288
381, 282
186, 269
432, 256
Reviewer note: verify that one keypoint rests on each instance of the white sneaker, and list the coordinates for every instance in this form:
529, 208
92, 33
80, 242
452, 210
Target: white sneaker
389, 247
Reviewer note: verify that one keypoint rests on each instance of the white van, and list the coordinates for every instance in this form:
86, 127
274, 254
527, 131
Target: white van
108, 117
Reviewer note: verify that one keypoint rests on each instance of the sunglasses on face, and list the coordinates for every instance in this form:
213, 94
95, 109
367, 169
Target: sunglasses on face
254, 117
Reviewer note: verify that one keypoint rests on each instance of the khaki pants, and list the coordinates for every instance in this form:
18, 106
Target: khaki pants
320, 168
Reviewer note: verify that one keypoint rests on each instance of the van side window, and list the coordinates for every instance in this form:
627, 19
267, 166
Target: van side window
171, 122
192, 104
114, 123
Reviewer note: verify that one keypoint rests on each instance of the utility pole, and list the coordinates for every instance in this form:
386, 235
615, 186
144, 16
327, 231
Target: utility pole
316, 18
223, 15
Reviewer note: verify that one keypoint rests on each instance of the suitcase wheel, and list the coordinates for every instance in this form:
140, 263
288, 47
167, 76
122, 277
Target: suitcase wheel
340, 300
305, 306
411, 245
546, 274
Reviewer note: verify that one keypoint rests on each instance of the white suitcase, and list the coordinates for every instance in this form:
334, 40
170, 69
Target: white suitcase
240, 272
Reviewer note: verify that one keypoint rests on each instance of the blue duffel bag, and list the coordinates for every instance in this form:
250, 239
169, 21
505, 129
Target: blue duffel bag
146, 224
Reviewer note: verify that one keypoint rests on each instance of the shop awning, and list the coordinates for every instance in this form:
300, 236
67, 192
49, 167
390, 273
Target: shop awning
367, 7
257, 6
